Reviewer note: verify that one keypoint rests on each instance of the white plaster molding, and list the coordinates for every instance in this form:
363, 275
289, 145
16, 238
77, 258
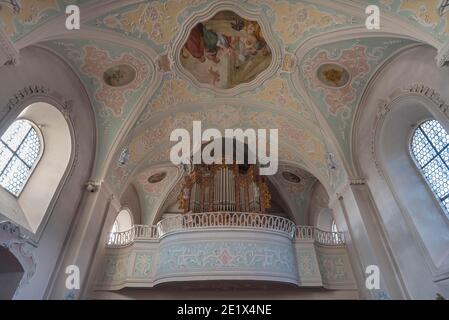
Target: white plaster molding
442, 57
23, 94
343, 188
92, 186
385, 105
243, 11
13, 239
8, 52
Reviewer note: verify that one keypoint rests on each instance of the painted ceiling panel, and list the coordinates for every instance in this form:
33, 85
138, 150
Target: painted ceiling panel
360, 58
424, 14
334, 75
152, 140
152, 194
32, 14
296, 189
112, 104
154, 22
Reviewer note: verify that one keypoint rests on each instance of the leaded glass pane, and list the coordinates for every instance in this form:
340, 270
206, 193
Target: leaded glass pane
422, 148
436, 134
437, 174
29, 150
14, 176
19, 150
5, 156
430, 149
16, 133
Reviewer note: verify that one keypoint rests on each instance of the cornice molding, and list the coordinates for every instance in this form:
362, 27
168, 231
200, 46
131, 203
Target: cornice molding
387, 104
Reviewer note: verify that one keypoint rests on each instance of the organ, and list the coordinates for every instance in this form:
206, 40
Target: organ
224, 188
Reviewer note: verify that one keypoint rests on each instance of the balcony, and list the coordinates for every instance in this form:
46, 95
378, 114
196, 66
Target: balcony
226, 246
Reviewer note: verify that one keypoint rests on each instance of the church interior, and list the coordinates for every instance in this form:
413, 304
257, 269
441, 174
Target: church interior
93, 207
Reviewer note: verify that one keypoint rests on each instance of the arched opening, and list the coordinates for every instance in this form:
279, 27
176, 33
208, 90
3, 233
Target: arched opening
11, 273
40, 148
123, 222
423, 210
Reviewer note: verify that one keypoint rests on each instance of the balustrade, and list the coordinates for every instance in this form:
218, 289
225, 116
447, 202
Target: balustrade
191, 221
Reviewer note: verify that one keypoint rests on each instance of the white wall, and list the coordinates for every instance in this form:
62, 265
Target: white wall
40, 67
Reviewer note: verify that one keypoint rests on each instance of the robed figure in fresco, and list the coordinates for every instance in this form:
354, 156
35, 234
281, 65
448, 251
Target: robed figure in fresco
226, 51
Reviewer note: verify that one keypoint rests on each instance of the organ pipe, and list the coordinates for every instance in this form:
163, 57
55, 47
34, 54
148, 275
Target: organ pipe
224, 187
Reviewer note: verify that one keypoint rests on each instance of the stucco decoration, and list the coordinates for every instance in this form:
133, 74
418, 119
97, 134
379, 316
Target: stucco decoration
32, 14
116, 268
98, 64
335, 268
297, 192
279, 93
13, 239
154, 140
296, 21
226, 256
359, 58
155, 22
112, 105
143, 264
171, 92
421, 13
152, 194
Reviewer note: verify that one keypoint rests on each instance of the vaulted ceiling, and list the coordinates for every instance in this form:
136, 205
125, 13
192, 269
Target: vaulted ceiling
314, 116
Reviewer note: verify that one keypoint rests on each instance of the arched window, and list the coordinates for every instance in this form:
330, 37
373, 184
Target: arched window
429, 147
20, 149
123, 222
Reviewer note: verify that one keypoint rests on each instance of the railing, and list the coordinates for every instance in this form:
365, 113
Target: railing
138, 231
320, 236
224, 220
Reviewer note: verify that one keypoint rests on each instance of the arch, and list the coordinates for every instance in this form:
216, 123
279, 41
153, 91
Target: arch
30, 204
421, 207
123, 221
11, 274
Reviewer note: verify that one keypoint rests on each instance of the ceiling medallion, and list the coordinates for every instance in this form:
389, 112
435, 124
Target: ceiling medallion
225, 51
157, 177
120, 75
291, 177
333, 75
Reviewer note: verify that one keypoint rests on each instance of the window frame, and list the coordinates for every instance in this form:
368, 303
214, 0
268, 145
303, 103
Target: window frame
39, 156
418, 168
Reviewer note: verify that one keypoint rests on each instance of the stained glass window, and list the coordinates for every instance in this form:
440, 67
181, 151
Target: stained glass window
430, 149
20, 148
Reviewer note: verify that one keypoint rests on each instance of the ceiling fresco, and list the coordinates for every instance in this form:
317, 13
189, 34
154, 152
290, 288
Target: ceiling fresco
296, 188
149, 144
154, 22
112, 104
421, 13
355, 60
31, 15
152, 194
224, 52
